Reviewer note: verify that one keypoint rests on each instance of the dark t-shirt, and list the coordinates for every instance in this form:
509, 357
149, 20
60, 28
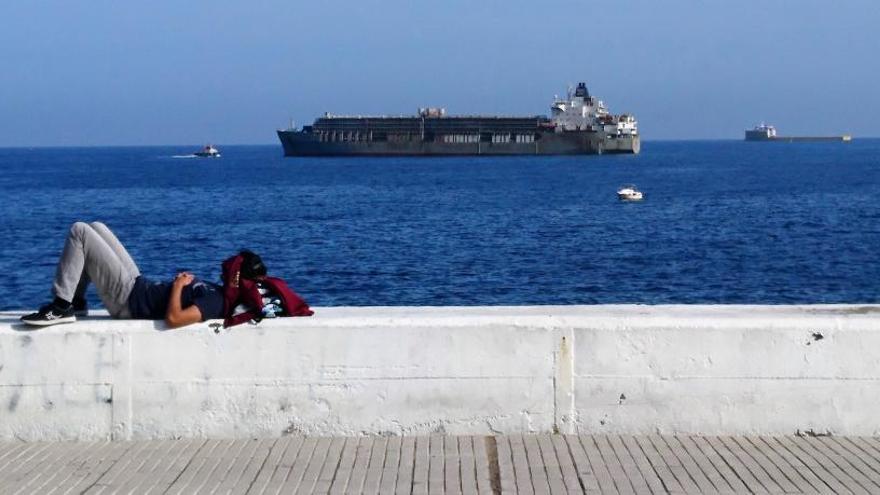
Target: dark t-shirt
149, 300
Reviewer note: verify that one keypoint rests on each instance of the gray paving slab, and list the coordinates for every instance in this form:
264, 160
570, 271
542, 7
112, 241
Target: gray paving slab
23, 458
388, 482
330, 467
467, 465
536, 468
813, 483
707, 452
628, 462
121, 470
565, 464
602, 470
551, 464
359, 470
742, 472
857, 454
282, 468
506, 470
827, 477
37, 475
422, 464
673, 464
661, 469
314, 466
436, 458
375, 466
622, 481
93, 468
144, 475
521, 465
690, 466
852, 478
406, 466
273, 462
345, 465
767, 474
300, 464
849, 484
796, 482
451, 466
648, 473
251, 453
858, 463
718, 483
629, 465
254, 466
486, 465
583, 469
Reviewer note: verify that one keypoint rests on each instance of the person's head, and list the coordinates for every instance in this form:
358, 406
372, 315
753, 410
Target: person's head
252, 266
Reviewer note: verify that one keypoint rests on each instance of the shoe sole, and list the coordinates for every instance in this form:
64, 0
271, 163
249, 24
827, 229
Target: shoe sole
46, 323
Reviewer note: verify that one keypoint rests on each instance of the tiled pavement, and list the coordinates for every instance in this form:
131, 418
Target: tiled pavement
446, 464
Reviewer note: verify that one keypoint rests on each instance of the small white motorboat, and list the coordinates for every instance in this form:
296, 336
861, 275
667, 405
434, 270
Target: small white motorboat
208, 151
629, 193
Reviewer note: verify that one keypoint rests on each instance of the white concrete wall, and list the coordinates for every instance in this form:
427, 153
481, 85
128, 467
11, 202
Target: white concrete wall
474, 370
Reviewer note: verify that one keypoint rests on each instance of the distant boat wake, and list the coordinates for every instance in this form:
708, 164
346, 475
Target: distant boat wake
184, 156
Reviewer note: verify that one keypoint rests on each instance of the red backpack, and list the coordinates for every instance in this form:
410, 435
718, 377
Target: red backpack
239, 290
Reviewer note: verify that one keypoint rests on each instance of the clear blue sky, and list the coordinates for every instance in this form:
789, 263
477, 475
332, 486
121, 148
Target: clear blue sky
174, 72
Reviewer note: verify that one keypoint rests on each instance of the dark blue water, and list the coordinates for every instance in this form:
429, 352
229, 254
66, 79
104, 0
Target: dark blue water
722, 222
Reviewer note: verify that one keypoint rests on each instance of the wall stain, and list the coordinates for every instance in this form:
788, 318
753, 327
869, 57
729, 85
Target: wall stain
13, 401
816, 336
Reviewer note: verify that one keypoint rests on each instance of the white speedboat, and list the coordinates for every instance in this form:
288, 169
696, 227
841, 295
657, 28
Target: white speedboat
208, 151
629, 193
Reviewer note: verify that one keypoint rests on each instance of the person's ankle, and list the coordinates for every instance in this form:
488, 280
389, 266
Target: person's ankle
61, 303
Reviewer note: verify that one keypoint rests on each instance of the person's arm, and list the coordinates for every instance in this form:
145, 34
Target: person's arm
176, 316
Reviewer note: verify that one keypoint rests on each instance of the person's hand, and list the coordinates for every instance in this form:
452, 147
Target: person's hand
183, 279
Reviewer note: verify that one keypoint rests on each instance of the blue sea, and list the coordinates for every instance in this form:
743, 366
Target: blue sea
721, 222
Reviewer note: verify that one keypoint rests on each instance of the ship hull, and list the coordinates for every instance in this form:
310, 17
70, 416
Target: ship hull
299, 143
802, 139
763, 136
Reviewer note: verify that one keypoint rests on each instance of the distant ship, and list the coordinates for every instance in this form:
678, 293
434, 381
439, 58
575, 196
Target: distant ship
764, 132
208, 151
578, 124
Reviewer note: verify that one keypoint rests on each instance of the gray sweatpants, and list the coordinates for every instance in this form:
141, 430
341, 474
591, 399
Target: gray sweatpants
93, 253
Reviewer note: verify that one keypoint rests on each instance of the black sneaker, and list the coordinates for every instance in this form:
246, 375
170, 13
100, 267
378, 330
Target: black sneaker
49, 315
80, 307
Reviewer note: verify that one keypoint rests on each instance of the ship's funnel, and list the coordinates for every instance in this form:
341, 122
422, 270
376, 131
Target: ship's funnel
581, 91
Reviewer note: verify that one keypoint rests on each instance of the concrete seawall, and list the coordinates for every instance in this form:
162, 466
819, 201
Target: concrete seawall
472, 370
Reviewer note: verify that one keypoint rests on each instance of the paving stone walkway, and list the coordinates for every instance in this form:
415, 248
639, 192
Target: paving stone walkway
533, 464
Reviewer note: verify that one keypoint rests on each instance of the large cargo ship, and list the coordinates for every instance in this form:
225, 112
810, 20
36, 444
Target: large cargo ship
578, 124
764, 132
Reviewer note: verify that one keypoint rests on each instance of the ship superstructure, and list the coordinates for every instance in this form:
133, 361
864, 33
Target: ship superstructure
578, 124
761, 132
